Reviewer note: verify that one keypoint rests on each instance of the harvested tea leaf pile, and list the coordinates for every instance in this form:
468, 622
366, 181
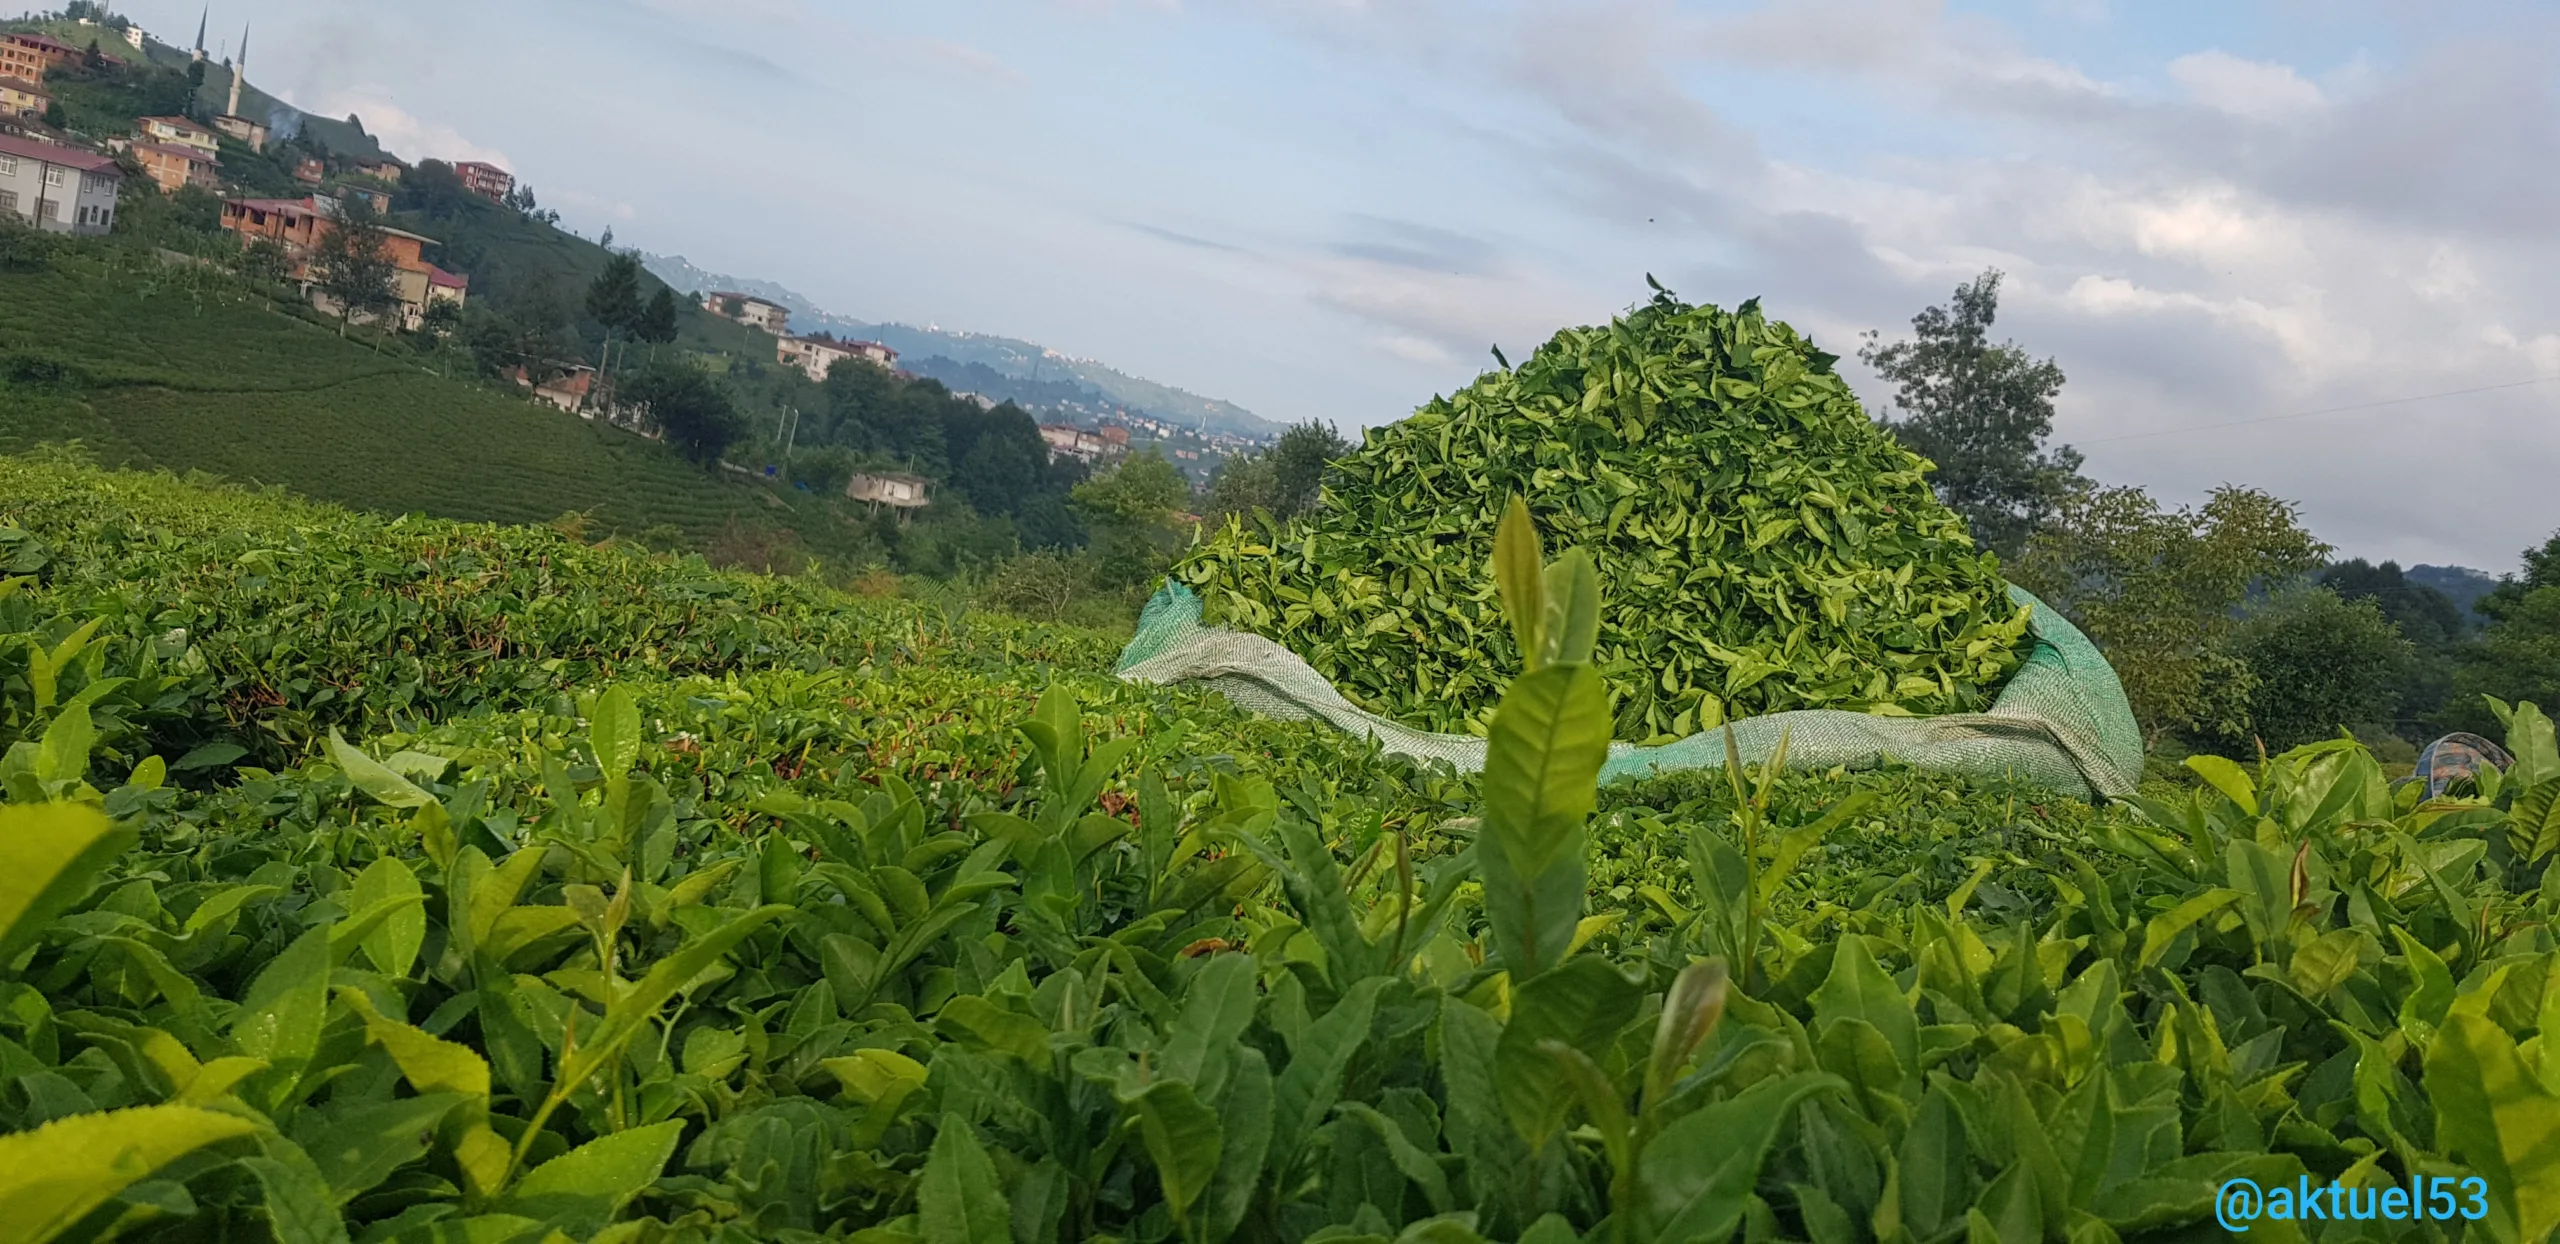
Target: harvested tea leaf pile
1762, 545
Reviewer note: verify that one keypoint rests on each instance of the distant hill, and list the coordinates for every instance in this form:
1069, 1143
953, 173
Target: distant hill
148, 376
2463, 585
1005, 355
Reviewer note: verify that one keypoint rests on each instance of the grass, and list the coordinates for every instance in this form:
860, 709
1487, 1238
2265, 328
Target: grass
173, 374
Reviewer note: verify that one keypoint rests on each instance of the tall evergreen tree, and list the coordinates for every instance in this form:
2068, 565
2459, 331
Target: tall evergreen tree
613, 299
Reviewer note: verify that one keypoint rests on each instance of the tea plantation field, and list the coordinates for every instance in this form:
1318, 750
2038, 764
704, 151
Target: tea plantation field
153, 369
368, 878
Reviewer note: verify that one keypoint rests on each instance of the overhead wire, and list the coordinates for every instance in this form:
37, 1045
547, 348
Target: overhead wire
2326, 410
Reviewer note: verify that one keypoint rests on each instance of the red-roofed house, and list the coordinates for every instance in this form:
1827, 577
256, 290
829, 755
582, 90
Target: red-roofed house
58, 189
21, 98
299, 224
170, 166
486, 180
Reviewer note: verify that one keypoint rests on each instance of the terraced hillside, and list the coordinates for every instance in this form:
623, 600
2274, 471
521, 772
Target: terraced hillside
155, 369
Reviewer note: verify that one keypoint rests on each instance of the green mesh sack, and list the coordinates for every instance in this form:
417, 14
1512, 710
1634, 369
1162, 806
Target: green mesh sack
2061, 721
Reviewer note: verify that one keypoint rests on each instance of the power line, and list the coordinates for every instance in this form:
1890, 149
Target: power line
2327, 410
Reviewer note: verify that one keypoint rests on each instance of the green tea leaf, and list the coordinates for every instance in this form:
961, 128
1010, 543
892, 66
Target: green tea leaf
579, 1191
1581, 1004
1182, 1137
1542, 768
300, 1205
393, 946
52, 1176
49, 856
613, 732
1698, 1174
2499, 1118
373, 777
958, 1198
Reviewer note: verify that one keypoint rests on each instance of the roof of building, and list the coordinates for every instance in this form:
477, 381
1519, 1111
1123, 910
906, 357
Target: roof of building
892, 477
45, 42
242, 120
175, 123
281, 207
193, 155
731, 293
68, 157
21, 84
446, 280
459, 165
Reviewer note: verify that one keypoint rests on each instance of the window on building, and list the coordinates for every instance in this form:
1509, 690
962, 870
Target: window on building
9, 202
53, 176
8, 166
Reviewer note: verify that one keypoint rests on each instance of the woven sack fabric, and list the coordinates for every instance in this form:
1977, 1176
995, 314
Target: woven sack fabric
2061, 721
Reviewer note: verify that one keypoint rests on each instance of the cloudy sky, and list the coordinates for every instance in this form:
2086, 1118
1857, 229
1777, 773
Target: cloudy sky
2208, 212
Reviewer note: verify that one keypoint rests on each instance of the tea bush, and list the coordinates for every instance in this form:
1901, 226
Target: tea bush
667, 905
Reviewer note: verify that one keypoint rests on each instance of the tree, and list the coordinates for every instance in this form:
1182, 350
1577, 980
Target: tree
2158, 591
1298, 462
2517, 656
1130, 512
93, 60
825, 469
2318, 663
442, 317
658, 324
1284, 480
55, 116
684, 404
1981, 412
432, 189
353, 262
2432, 623
265, 261
613, 298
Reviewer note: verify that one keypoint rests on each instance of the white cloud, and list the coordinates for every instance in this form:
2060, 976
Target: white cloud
410, 137
2259, 90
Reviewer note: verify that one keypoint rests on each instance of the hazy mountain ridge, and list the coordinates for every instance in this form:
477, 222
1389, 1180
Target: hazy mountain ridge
1006, 355
2462, 584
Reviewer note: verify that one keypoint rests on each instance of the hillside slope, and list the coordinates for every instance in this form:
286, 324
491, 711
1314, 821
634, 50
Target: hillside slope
1007, 355
150, 372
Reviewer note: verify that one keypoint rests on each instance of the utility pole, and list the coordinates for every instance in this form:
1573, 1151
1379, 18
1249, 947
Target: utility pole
791, 426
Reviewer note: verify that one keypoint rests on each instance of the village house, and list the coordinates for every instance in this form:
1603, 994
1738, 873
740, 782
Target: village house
384, 169
749, 310
179, 132
171, 166
569, 392
1070, 441
244, 129
29, 57
58, 189
21, 98
486, 180
814, 355
299, 224
895, 489
379, 201
309, 171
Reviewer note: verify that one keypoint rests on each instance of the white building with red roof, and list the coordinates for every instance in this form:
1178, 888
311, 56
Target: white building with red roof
57, 189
